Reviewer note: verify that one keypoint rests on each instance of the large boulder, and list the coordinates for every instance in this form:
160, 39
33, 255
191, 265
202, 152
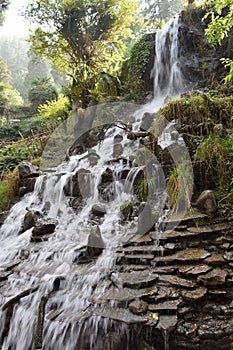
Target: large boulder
95, 243
206, 202
26, 170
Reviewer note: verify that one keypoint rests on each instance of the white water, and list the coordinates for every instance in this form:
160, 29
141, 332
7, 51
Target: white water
73, 308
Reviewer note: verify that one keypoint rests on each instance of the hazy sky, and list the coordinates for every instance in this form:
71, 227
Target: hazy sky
14, 24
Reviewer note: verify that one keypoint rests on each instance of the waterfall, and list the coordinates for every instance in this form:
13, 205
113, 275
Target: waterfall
52, 298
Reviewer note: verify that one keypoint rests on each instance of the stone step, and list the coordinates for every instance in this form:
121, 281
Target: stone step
184, 256
134, 279
210, 230
135, 259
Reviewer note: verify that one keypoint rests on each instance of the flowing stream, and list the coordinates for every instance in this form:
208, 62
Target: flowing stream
57, 283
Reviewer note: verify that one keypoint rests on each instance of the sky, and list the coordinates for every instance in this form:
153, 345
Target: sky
14, 24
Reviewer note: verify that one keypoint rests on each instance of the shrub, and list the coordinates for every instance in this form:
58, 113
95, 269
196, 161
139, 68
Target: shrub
54, 112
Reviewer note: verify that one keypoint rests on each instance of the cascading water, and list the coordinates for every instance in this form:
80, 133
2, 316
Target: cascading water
63, 284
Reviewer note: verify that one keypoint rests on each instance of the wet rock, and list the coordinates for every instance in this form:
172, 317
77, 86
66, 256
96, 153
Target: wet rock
134, 279
93, 157
124, 294
106, 186
228, 256
26, 169
187, 255
167, 322
215, 259
40, 323
138, 307
176, 281
95, 243
117, 138
30, 219
117, 150
44, 227
166, 305
213, 278
145, 220
98, 210
208, 228
122, 315
206, 202
147, 121
79, 185
26, 185
193, 295
197, 270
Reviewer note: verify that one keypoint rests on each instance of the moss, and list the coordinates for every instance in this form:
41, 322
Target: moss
214, 164
136, 71
201, 112
8, 190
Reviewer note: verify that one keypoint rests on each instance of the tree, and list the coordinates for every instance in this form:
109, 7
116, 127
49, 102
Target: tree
42, 91
10, 98
82, 37
160, 9
221, 15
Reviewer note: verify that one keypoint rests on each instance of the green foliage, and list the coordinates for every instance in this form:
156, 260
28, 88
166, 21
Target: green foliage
221, 16
136, 66
42, 91
201, 111
7, 191
214, 161
54, 112
23, 127
143, 187
82, 38
127, 209
179, 186
14, 153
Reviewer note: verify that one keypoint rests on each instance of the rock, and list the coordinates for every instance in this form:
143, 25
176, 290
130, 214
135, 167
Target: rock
174, 135
177, 281
44, 227
106, 186
95, 243
167, 322
138, 307
122, 315
98, 210
124, 294
26, 169
40, 323
79, 185
213, 278
197, 270
206, 202
134, 279
194, 294
117, 150
147, 121
30, 219
117, 138
145, 220
26, 185
215, 259
187, 255
93, 157
166, 305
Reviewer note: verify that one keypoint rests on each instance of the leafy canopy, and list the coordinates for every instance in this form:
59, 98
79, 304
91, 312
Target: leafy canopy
221, 15
82, 37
